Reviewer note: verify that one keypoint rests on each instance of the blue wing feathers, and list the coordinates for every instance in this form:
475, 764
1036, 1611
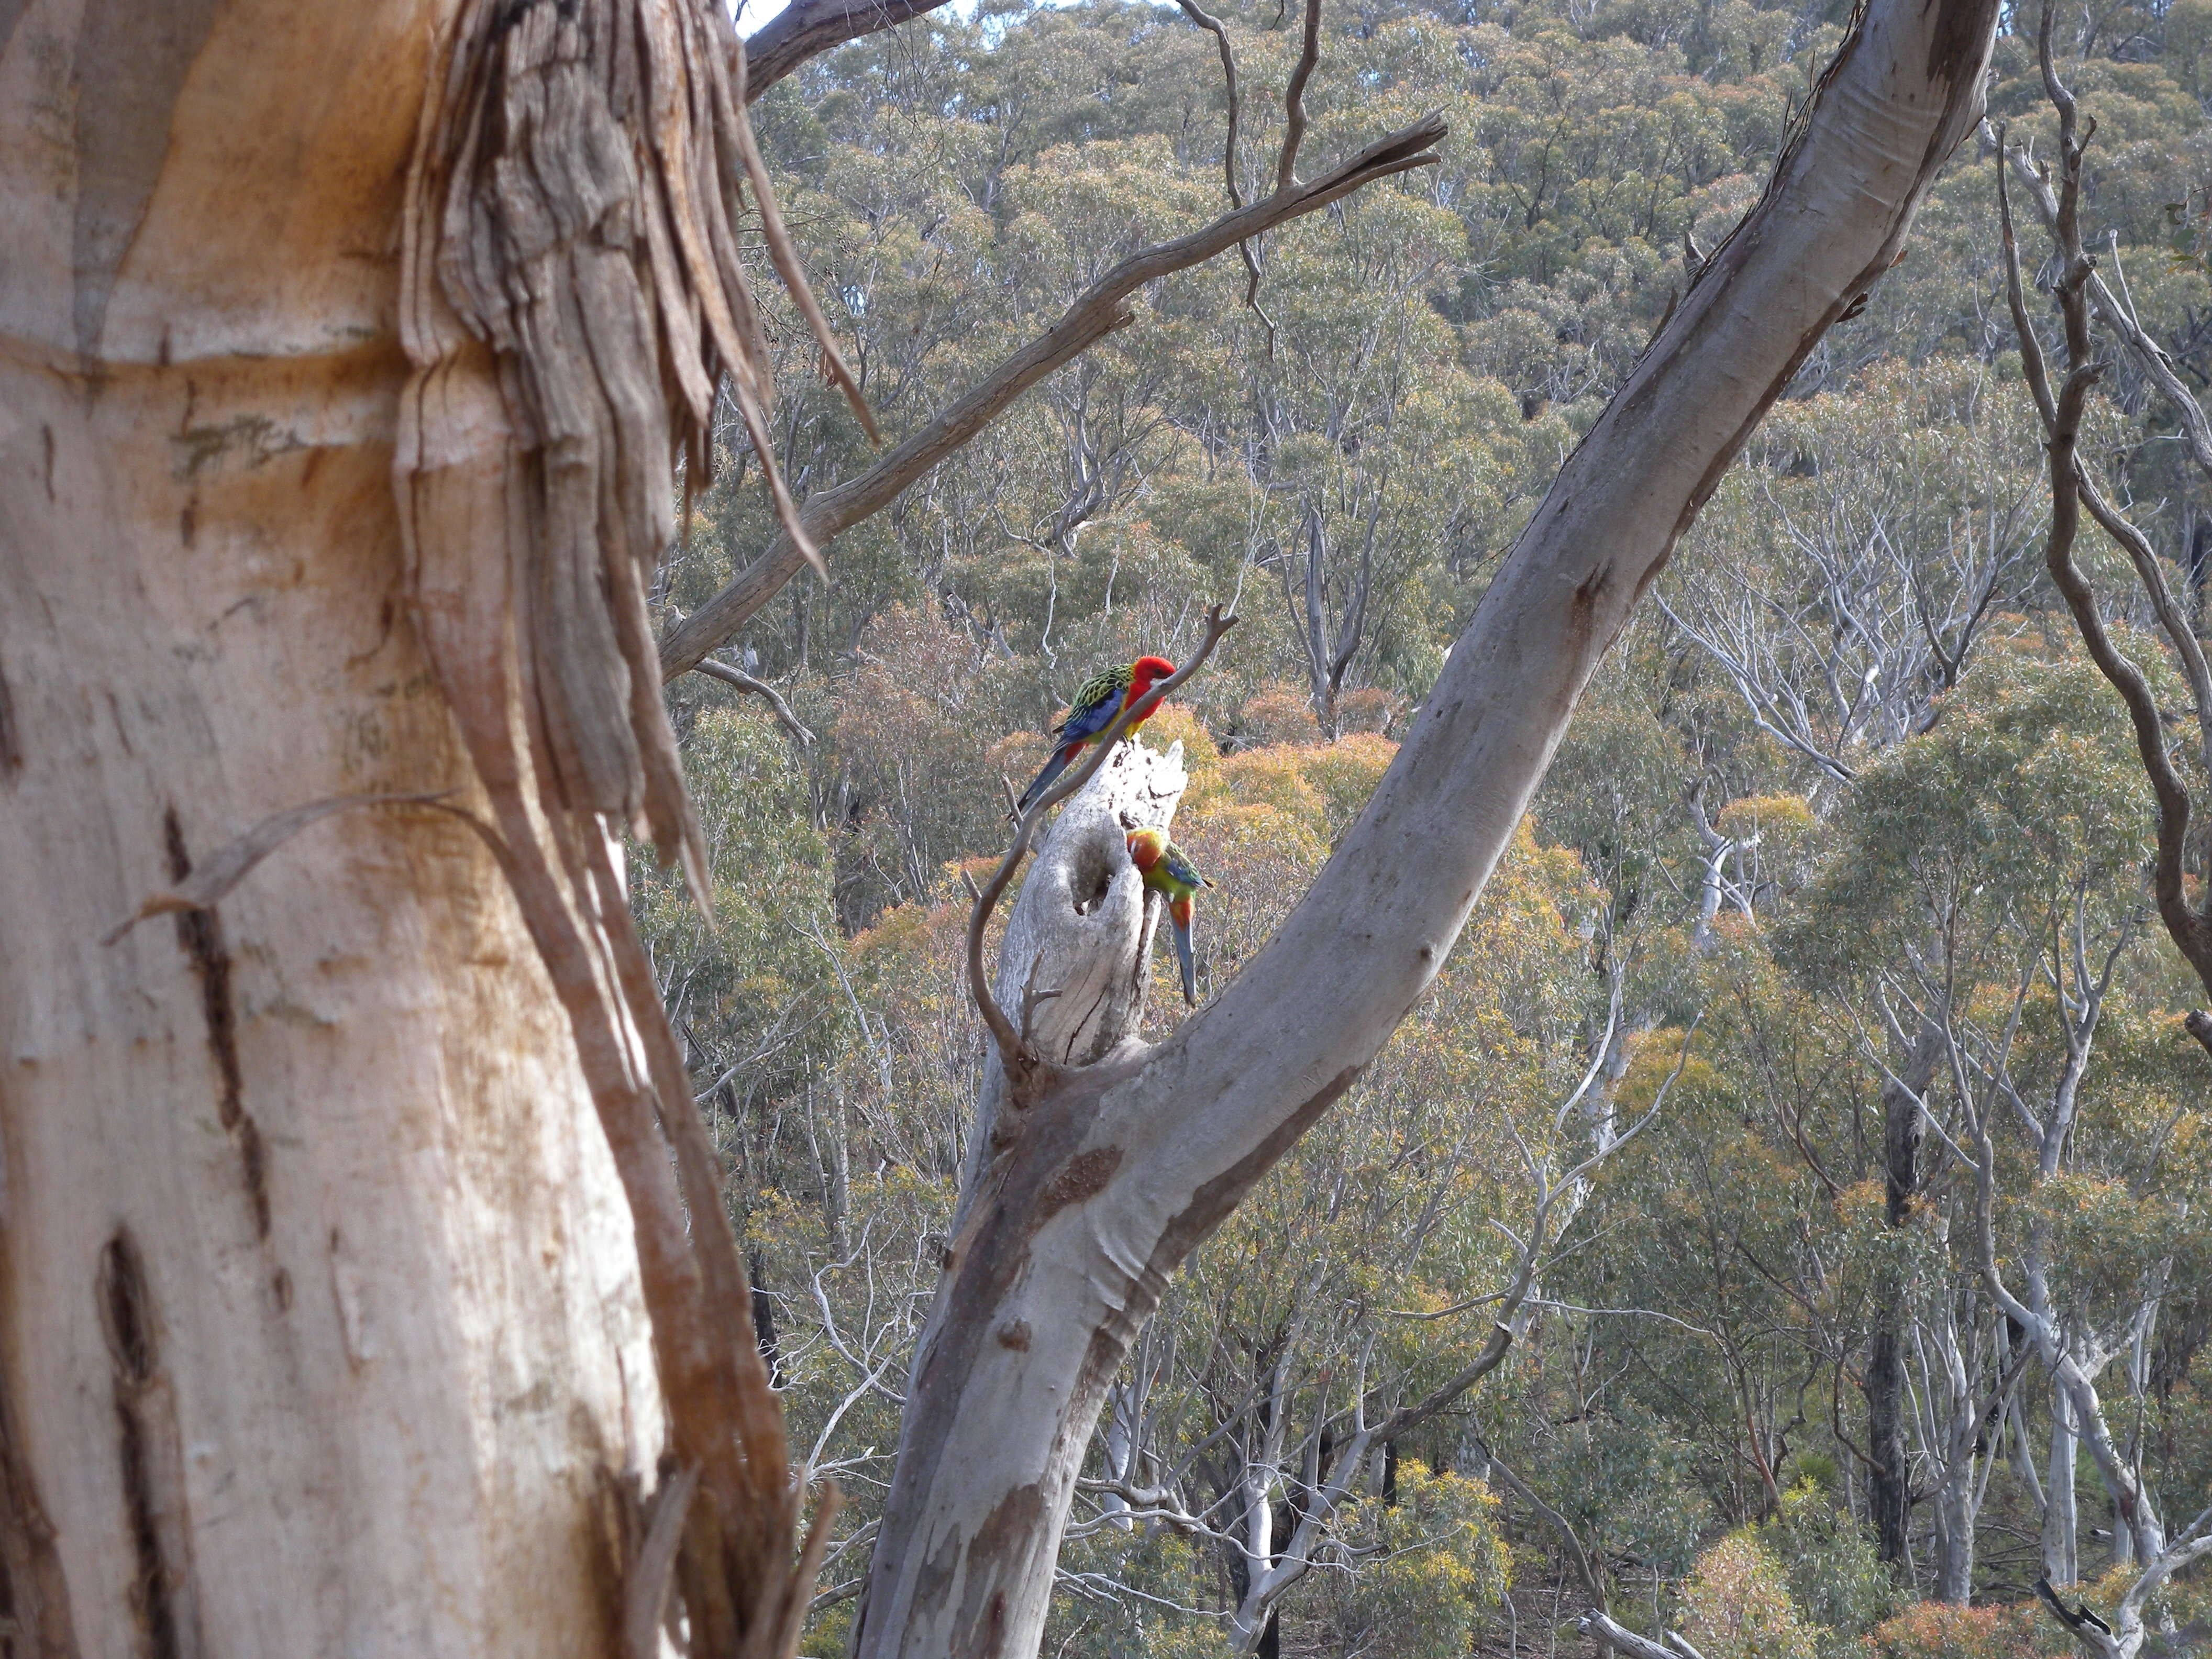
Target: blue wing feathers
1086, 723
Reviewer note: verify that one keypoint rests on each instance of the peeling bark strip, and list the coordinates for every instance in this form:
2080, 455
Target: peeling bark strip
1198, 1119
589, 158
165, 1599
570, 296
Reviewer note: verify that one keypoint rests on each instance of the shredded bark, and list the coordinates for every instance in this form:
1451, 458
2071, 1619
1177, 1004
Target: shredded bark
589, 158
571, 299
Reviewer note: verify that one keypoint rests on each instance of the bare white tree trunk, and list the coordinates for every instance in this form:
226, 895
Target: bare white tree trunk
2062, 1559
1952, 1410
1109, 1176
319, 1319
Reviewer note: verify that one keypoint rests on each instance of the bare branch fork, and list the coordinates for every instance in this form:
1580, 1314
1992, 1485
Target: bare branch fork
2189, 925
1027, 1072
1097, 312
1294, 128
1212, 25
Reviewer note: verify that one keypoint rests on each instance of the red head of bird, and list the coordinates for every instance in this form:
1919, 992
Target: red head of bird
1146, 848
1145, 673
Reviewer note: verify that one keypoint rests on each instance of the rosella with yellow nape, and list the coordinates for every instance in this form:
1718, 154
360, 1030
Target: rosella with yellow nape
1103, 697
1168, 871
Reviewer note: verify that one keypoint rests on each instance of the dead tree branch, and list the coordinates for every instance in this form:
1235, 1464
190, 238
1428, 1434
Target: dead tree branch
2187, 923
807, 28
1294, 99
1099, 311
762, 688
1213, 26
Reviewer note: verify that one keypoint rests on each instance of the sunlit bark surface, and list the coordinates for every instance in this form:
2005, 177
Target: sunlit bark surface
319, 1327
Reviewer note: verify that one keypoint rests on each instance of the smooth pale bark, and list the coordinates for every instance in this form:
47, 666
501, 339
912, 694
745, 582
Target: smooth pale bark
2062, 1559
1955, 1507
1115, 1172
1952, 1348
321, 1330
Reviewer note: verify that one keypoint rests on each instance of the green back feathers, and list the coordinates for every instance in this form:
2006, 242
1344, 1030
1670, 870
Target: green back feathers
1170, 870
1108, 685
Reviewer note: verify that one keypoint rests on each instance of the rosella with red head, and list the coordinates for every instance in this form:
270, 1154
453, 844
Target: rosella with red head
1168, 871
1102, 699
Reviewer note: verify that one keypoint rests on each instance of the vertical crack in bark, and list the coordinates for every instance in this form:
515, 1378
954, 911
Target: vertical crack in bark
164, 1600
34, 1605
11, 744
199, 935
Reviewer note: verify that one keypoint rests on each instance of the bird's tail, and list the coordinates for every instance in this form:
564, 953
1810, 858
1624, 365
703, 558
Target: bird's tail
1179, 913
1053, 769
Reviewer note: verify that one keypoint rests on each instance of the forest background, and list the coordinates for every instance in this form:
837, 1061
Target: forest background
1847, 825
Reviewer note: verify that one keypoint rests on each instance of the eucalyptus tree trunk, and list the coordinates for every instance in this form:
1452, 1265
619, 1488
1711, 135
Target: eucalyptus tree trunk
361, 1256
1956, 1507
1102, 1178
321, 1328
1889, 1475
2062, 1549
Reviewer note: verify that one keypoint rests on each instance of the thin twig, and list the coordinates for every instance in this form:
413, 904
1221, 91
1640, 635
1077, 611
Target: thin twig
207, 886
1294, 99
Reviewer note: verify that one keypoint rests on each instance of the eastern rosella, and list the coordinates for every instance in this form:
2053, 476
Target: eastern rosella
1168, 871
1102, 698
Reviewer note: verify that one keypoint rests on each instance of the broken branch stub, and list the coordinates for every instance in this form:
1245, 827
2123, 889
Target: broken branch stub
1074, 960
1018, 1059
1077, 933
